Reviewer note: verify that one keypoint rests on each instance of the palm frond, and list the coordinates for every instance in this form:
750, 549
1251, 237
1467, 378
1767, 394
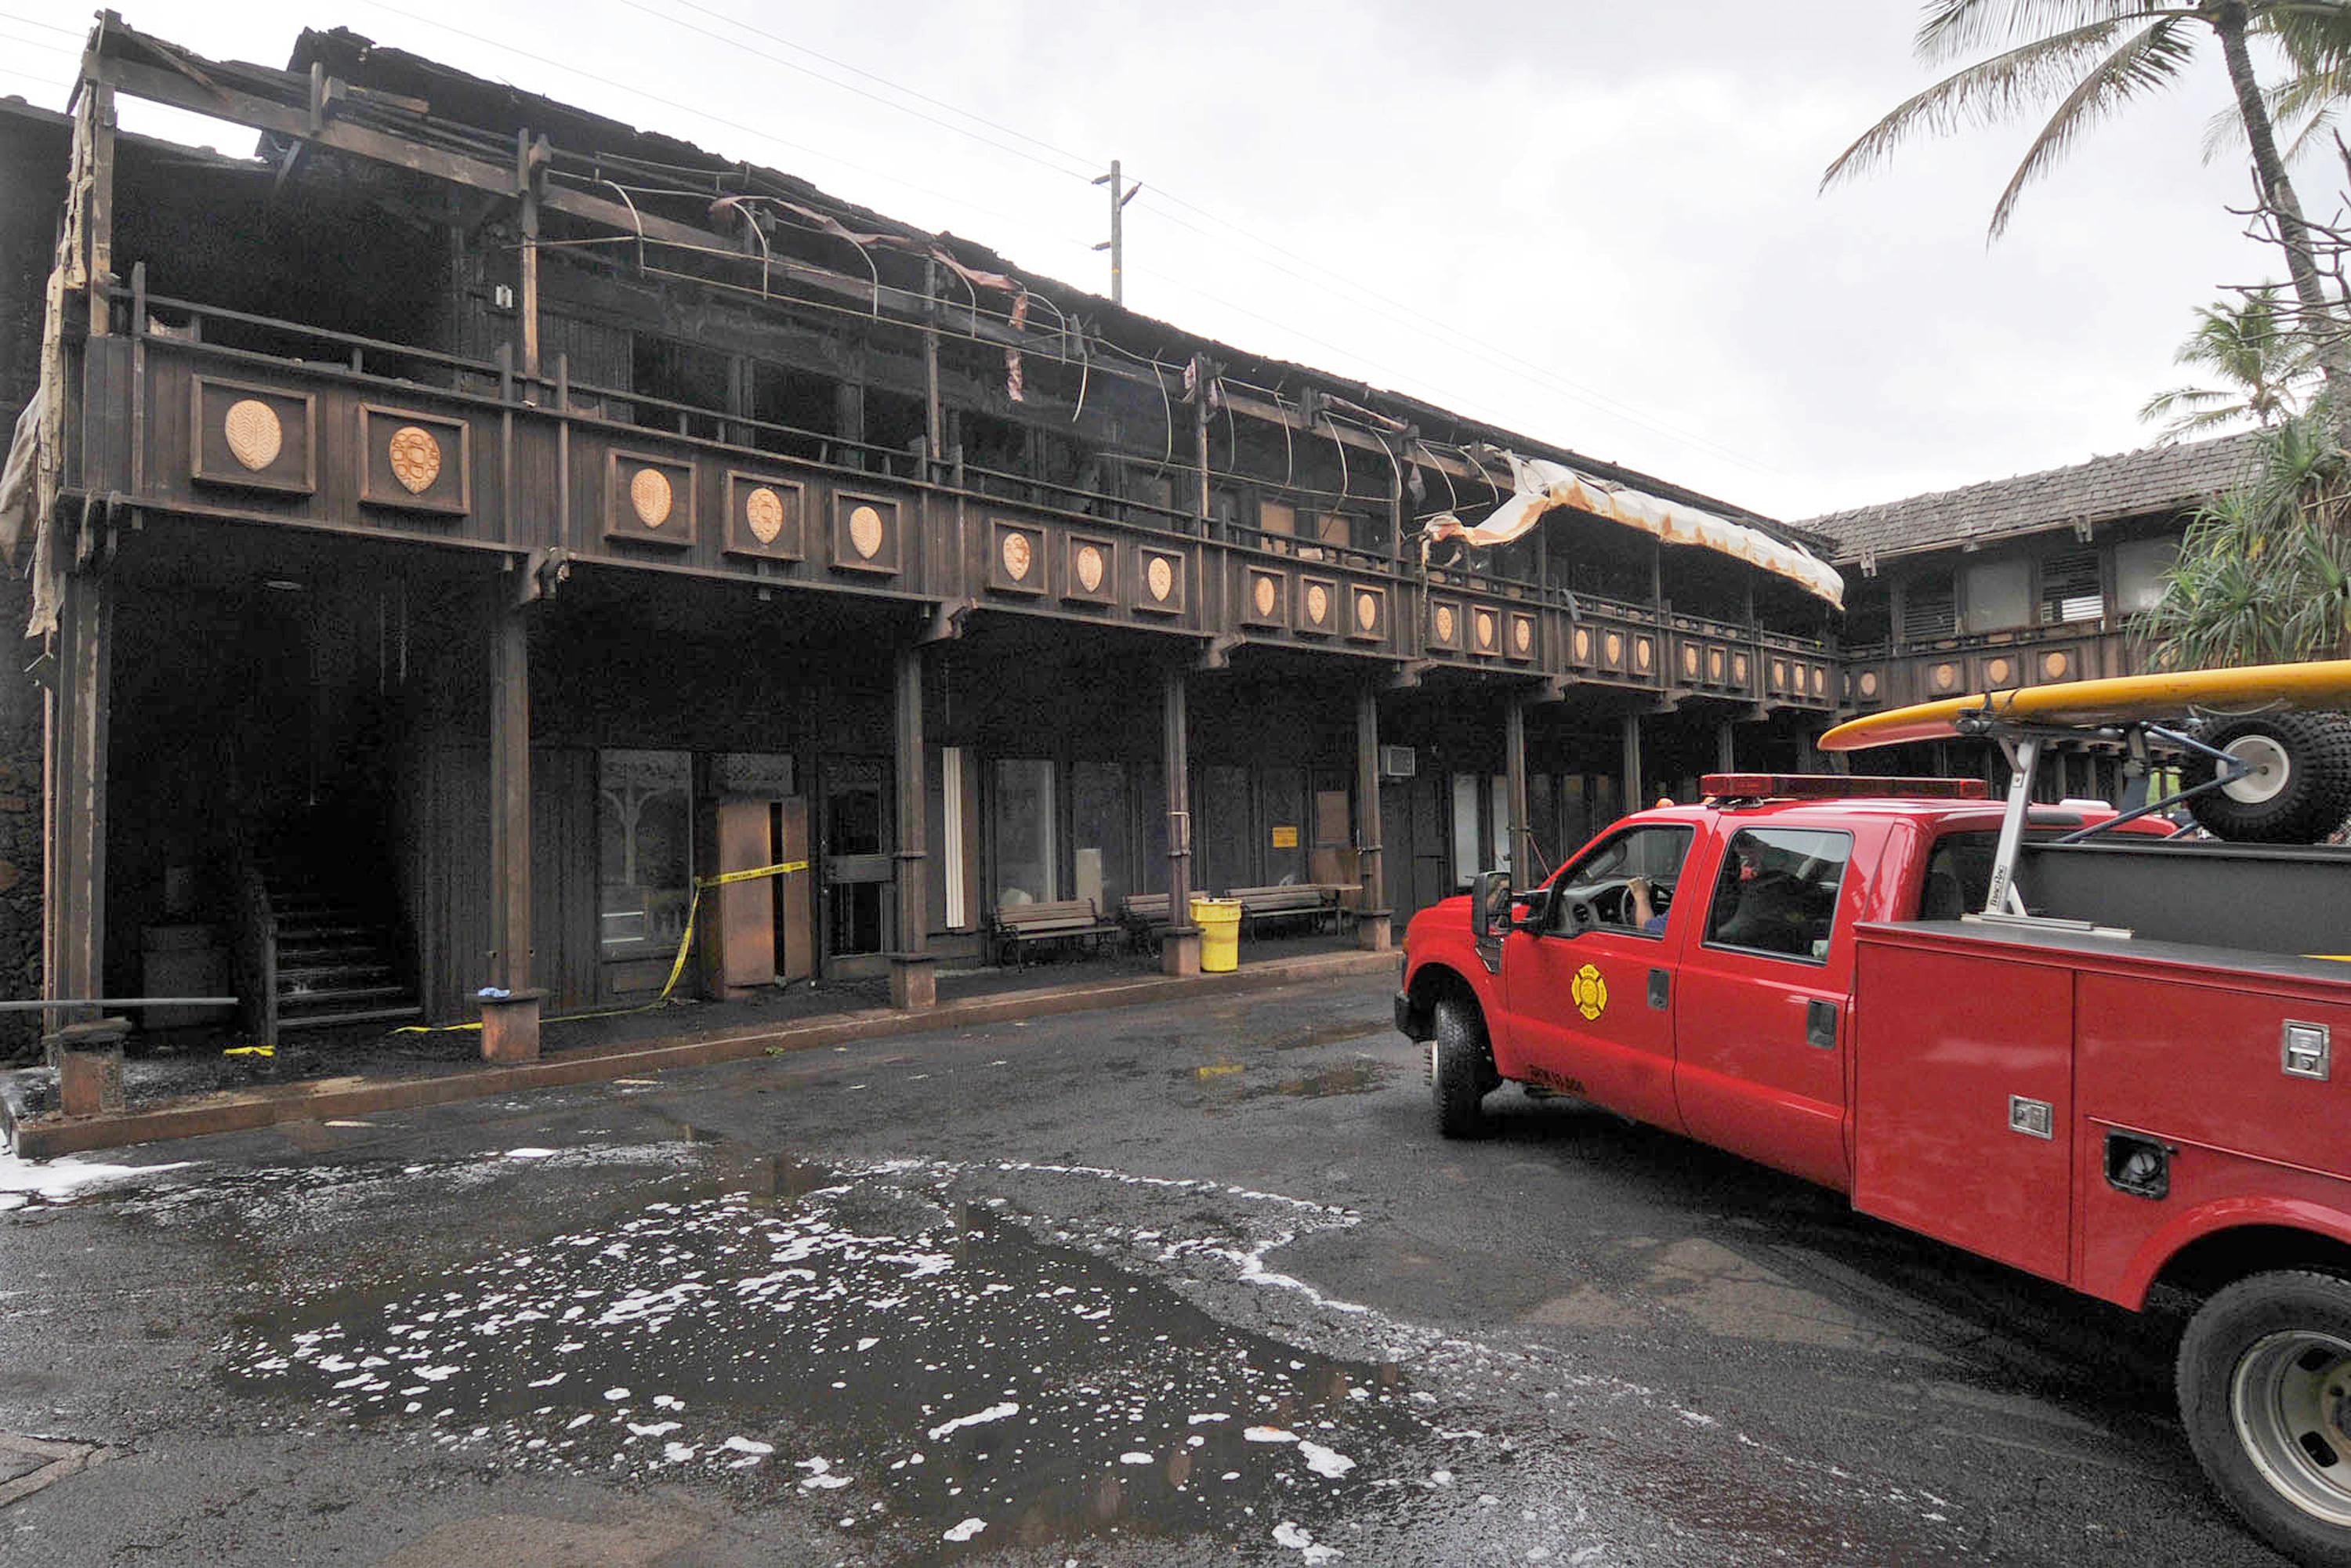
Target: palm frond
1949, 28
1982, 94
2149, 59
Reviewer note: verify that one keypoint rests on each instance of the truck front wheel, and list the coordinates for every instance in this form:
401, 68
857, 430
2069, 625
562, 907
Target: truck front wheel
1461, 1069
2265, 1394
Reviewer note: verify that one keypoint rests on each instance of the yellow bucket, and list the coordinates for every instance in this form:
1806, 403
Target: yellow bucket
1220, 920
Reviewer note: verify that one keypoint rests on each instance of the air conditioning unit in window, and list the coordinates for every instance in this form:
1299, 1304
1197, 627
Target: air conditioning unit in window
1398, 762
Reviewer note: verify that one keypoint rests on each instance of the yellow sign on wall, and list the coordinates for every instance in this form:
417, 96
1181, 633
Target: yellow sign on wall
1285, 837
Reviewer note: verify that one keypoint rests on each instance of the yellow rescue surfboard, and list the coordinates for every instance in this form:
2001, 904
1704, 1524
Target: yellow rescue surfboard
2258, 688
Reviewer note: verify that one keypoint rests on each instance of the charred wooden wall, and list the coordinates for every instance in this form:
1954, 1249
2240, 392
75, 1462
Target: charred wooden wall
33, 154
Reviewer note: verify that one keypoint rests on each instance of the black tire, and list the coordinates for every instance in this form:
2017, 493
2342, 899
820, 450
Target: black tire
2302, 791
1461, 1069
2281, 1462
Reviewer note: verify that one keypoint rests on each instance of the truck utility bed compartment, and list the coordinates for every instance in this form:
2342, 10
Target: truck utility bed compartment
1990, 1064
2274, 898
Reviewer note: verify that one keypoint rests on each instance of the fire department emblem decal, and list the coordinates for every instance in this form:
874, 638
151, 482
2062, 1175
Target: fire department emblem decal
1588, 992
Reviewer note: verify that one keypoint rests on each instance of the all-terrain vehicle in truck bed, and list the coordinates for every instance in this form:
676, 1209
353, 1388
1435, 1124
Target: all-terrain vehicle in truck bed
2065, 1037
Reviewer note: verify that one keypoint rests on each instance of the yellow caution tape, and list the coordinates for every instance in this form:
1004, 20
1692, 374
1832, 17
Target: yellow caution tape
676, 968
250, 1050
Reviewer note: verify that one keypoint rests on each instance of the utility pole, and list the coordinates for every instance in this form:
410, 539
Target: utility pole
1119, 194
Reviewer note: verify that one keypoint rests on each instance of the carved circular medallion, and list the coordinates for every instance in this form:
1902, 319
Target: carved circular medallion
1262, 595
1523, 636
1996, 671
1160, 576
1616, 646
1738, 668
1779, 672
1643, 651
1945, 677
1318, 604
1869, 683
255, 436
865, 531
1483, 622
1017, 555
1443, 622
650, 497
1089, 568
763, 510
1367, 613
2053, 665
1690, 661
1714, 663
415, 458
1583, 645
1820, 680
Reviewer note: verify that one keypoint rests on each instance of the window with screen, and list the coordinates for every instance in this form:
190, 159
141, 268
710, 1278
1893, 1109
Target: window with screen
2070, 588
1777, 893
1929, 608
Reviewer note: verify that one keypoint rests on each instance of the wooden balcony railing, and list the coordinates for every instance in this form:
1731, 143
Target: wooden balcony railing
1886, 675
352, 435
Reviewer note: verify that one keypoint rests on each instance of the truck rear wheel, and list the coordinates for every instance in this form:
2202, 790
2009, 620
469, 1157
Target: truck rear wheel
2300, 788
1461, 1069
2265, 1394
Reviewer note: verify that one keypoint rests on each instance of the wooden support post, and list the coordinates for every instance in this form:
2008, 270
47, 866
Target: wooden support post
1373, 911
1725, 754
101, 208
1179, 954
529, 158
913, 984
934, 424
74, 801
1204, 375
1635, 799
509, 1002
1521, 838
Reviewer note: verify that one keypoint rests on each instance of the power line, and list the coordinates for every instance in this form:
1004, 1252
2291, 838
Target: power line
45, 26
751, 131
40, 44
1077, 158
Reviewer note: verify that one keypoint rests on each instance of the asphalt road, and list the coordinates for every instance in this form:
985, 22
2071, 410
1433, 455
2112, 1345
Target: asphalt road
1181, 1284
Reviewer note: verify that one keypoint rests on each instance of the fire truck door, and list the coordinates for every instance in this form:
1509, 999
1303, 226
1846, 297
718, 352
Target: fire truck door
1590, 1006
1759, 1038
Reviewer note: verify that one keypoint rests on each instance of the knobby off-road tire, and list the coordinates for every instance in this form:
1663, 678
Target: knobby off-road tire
2300, 791
2264, 1381
1461, 1069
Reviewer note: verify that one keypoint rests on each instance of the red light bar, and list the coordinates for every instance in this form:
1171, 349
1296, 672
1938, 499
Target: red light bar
1837, 786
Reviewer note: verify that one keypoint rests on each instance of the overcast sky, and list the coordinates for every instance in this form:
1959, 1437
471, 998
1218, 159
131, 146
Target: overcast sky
1593, 222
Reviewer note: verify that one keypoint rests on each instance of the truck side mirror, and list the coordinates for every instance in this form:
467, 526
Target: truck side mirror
1489, 905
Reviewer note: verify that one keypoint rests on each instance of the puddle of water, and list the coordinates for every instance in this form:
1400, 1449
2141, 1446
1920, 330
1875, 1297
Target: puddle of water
1358, 1077
1328, 1034
906, 1360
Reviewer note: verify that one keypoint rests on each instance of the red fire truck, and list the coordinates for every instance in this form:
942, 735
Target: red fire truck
2059, 1036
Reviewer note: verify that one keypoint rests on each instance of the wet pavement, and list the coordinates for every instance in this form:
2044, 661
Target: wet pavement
1176, 1284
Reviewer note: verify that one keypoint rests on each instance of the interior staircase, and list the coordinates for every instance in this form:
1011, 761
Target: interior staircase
338, 962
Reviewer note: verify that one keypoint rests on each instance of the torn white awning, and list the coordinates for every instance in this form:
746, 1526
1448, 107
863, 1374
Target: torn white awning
1539, 486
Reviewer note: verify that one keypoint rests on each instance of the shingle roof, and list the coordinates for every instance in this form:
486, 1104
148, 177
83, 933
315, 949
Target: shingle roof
2152, 479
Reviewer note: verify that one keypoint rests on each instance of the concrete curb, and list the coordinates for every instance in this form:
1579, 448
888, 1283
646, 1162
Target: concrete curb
242, 1109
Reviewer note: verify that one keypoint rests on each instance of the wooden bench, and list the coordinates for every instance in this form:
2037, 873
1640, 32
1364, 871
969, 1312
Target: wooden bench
1306, 900
1017, 926
1144, 915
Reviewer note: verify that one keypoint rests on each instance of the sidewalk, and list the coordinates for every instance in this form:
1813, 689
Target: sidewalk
199, 1093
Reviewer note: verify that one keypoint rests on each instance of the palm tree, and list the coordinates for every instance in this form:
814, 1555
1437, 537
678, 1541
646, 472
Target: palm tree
2264, 369
2264, 571
2094, 57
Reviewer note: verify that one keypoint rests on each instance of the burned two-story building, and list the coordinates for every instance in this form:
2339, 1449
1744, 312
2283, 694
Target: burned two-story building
460, 527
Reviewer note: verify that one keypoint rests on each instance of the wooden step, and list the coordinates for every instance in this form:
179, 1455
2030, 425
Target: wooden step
387, 1015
